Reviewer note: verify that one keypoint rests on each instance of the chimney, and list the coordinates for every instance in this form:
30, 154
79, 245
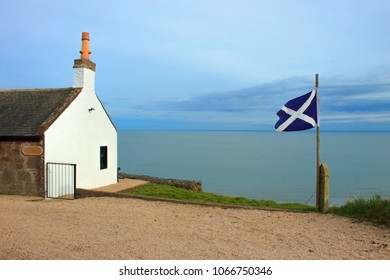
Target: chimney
83, 68
85, 51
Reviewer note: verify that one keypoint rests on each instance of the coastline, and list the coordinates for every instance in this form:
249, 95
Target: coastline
262, 165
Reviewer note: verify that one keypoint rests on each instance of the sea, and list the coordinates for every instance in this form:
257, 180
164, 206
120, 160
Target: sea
263, 164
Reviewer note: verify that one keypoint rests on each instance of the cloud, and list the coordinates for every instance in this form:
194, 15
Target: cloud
362, 118
352, 97
363, 101
249, 99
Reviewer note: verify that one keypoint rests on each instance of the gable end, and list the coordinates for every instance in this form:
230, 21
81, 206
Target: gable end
24, 112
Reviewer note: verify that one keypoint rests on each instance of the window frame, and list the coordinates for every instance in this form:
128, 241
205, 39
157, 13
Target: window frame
103, 157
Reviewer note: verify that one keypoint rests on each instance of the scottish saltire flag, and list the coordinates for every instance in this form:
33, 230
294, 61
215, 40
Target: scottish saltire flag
299, 113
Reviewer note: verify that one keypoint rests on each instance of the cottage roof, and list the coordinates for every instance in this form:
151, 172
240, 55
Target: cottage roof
29, 112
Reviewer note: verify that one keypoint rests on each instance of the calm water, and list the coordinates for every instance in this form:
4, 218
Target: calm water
262, 165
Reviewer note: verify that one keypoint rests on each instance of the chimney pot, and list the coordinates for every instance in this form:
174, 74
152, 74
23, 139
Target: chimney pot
85, 35
85, 51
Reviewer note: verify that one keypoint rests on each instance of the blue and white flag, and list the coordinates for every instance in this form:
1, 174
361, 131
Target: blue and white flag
299, 113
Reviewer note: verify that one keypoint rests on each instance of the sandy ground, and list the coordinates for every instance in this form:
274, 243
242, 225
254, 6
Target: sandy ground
124, 228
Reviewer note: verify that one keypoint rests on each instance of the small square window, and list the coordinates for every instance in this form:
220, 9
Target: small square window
103, 157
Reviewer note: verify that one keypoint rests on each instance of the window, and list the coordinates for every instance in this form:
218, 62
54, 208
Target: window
103, 157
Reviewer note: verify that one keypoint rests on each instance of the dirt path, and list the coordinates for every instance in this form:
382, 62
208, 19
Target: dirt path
122, 228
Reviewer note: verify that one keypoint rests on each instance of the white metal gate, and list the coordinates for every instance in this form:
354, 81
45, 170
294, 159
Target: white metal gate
61, 180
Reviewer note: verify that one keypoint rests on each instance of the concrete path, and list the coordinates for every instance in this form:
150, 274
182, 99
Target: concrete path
123, 184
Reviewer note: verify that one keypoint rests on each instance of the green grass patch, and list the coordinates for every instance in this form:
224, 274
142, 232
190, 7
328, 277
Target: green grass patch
165, 191
374, 209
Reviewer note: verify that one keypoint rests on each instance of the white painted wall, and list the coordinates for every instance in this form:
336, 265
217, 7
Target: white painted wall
76, 137
83, 77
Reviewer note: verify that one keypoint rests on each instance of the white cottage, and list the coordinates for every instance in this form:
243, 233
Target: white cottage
47, 134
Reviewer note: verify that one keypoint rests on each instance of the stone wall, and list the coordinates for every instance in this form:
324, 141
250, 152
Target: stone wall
185, 184
21, 168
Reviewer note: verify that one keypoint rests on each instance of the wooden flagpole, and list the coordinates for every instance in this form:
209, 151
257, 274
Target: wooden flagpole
317, 147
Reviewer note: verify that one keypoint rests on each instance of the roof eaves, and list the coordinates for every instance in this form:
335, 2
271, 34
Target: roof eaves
19, 138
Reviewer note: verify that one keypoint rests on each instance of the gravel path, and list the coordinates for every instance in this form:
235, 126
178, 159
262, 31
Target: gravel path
123, 228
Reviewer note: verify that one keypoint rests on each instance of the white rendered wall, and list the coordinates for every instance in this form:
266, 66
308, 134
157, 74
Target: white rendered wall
76, 137
83, 77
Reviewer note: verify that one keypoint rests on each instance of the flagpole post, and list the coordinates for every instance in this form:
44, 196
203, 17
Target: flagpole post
317, 147
302, 113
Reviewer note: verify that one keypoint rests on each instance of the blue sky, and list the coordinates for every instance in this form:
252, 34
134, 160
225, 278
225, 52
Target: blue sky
208, 64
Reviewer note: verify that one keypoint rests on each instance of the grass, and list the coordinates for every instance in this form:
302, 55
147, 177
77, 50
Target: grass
165, 191
374, 209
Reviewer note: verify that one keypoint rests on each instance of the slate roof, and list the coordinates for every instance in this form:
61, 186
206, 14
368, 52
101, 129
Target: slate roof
29, 112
